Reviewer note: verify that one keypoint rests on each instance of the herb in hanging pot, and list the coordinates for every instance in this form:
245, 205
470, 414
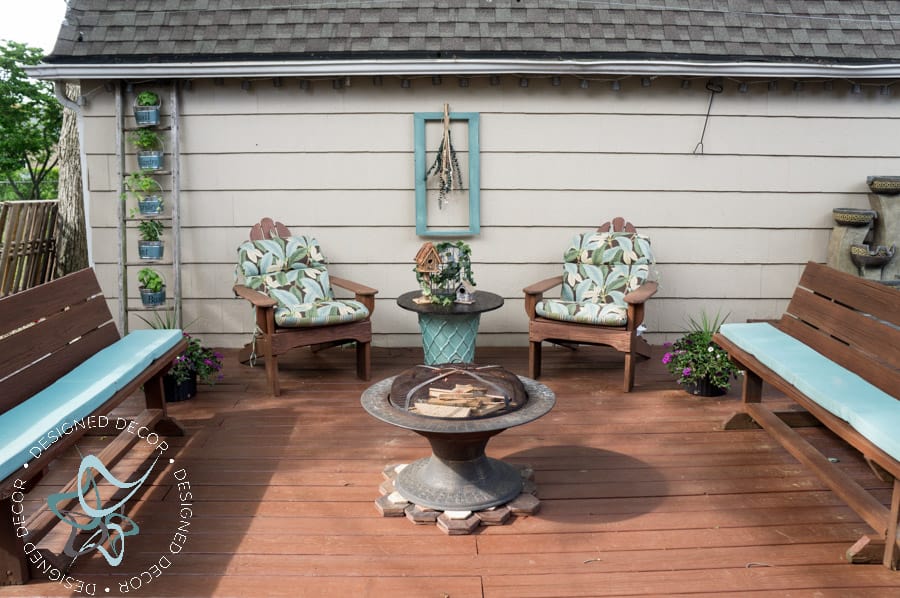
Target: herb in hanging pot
695, 358
141, 186
151, 280
147, 98
145, 139
150, 230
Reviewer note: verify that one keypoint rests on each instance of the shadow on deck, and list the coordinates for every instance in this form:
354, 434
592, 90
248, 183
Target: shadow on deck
641, 494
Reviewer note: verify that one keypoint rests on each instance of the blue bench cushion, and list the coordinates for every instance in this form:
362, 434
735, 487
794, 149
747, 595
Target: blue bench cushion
78, 394
872, 412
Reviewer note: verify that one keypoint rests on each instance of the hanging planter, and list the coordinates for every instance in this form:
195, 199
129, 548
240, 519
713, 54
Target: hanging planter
152, 288
147, 191
151, 250
149, 149
150, 246
146, 109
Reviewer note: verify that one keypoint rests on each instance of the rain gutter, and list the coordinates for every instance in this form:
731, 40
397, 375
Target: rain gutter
463, 67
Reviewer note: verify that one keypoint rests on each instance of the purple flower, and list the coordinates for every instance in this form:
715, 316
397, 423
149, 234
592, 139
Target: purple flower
667, 344
667, 358
686, 372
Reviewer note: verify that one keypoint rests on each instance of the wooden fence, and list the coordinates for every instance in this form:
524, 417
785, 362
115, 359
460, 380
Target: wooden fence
27, 244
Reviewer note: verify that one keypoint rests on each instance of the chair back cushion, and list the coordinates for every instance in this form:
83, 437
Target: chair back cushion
600, 269
293, 271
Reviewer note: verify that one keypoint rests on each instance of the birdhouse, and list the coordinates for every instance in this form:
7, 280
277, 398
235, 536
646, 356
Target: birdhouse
428, 260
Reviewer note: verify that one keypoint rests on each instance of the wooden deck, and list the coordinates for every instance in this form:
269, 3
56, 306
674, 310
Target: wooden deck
642, 494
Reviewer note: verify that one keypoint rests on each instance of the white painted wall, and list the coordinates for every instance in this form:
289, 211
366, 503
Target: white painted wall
731, 228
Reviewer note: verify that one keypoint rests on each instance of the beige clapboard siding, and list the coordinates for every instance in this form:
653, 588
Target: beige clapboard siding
514, 245
584, 209
731, 228
591, 133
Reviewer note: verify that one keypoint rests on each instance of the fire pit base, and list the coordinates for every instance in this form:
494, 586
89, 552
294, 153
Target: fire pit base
465, 520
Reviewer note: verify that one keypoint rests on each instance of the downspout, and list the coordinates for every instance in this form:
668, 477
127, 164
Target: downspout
59, 89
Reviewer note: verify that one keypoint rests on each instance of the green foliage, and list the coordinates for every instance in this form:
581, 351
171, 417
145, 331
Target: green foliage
451, 273
49, 186
30, 120
150, 230
695, 356
147, 98
151, 280
145, 139
196, 358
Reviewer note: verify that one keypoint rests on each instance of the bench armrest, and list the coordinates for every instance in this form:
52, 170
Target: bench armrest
642, 293
255, 297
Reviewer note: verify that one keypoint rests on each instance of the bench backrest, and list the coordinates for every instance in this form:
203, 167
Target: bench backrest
47, 331
852, 321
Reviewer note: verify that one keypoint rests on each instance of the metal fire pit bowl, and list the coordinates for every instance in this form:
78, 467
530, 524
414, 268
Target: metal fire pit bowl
458, 476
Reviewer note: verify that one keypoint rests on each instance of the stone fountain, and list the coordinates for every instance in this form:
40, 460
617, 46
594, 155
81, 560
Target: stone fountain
863, 242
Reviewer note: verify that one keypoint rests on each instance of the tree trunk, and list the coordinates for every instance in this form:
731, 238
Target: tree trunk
72, 239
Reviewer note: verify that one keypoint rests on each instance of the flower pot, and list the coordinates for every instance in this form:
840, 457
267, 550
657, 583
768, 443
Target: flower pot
150, 205
705, 388
179, 391
150, 250
146, 116
150, 159
153, 298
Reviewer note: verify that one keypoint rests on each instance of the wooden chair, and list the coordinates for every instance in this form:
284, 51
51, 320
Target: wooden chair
273, 339
564, 321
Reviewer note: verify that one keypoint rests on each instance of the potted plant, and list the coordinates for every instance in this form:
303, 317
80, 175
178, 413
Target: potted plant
150, 247
147, 191
152, 287
196, 363
442, 268
700, 365
149, 148
146, 109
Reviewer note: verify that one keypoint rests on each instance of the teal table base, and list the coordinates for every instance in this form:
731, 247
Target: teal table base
449, 338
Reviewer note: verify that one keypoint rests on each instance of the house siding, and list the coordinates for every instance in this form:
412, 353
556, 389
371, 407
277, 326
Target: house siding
731, 228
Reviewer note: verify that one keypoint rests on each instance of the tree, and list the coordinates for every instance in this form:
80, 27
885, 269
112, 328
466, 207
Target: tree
71, 245
30, 120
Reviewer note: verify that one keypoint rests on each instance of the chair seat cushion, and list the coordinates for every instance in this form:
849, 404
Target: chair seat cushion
320, 313
608, 314
872, 412
77, 394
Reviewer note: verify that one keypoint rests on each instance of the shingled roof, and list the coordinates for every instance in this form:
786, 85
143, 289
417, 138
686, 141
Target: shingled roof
203, 31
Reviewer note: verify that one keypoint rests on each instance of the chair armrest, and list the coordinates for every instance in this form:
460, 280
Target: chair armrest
255, 297
543, 286
364, 294
642, 293
535, 293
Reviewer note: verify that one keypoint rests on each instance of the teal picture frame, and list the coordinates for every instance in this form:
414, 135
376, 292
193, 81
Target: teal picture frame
472, 120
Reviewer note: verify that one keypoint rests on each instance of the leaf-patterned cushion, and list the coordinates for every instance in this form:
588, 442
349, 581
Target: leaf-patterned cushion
320, 313
293, 272
267, 256
599, 270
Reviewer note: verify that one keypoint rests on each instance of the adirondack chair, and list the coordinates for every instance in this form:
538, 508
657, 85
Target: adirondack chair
287, 281
604, 287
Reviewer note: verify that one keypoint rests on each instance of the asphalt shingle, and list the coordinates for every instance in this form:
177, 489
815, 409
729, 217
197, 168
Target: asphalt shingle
797, 30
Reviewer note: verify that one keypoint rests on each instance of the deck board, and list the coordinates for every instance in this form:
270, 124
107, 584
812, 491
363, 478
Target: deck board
642, 495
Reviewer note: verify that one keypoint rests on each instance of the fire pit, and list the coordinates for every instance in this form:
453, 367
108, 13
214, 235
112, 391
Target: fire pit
458, 408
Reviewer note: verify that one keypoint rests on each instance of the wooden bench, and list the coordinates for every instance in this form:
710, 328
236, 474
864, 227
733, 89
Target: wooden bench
63, 364
836, 352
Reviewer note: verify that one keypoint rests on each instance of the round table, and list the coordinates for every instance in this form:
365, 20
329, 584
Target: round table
449, 331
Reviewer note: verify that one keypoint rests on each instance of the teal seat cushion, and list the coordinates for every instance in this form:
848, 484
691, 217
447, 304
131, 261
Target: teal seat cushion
77, 394
600, 269
320, 313
872, 412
